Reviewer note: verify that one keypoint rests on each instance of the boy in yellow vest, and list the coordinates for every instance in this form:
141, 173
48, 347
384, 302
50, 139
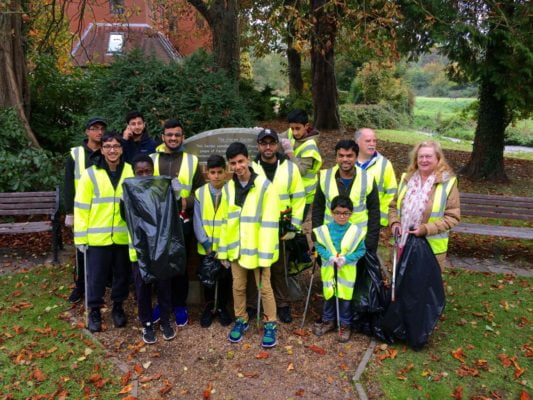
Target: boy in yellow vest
207, 220
340, 244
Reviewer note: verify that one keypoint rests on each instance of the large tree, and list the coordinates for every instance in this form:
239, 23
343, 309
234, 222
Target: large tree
488, 42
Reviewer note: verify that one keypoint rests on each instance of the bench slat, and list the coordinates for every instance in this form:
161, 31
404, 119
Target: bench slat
32, 200
29, 211
498, 203
26, 194
495, 197
526, 215
21, 206
493, 230
25, 227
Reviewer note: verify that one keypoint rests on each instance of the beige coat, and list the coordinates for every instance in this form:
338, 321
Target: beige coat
452, 214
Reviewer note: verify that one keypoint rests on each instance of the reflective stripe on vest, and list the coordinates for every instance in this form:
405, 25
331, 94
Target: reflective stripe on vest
377, 169
347, 274
211, 219
189, 163
309, 149
78, 155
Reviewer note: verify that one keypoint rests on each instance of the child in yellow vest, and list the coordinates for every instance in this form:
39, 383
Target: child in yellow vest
340, 245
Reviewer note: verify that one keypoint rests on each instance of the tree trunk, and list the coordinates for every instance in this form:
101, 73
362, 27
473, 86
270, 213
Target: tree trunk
14, 88
486, 160
294, 62
324, 83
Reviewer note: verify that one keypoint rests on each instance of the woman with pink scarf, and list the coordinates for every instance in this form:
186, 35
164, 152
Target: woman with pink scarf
427, 201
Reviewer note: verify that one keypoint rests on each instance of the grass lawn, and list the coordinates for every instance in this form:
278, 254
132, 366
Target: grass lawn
41, 353
482, 347
444, 106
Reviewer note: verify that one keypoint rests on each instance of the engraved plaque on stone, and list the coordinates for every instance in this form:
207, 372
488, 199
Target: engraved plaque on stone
217, 141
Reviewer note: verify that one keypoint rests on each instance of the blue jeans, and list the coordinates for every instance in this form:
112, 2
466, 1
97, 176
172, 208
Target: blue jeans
330, 312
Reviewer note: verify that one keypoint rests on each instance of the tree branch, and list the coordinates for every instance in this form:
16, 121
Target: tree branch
202, 9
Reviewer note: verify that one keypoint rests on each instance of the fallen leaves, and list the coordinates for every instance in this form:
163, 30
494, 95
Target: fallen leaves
507, 361
316, 349
39, 375
458, 393
388, 353
458, 354
262, 355
126, 389
207, 391
465, 370
301, 332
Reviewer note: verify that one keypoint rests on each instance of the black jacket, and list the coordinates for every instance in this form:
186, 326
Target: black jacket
131, 148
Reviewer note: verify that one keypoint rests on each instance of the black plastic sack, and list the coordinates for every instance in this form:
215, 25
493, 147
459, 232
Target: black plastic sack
420, 297
370, 299
209, 270
154, 226
299, 258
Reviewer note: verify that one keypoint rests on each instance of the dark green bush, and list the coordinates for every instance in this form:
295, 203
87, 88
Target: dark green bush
516, 136
376, 116
195, 91
24, 168
260, 103
290, 102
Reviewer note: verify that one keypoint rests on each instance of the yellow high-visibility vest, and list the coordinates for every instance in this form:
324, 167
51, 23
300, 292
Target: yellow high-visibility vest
211, 220
383, 173
97, 220
361, 188
289, 185
438, 242
78, 155
249, 234
347, 274
189, 163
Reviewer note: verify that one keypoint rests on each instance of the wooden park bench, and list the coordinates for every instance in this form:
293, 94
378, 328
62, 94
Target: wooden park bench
29, 204
500, 207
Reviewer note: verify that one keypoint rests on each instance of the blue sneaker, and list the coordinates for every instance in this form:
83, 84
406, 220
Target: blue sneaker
269, 337
182, 316
237, 332
156, 314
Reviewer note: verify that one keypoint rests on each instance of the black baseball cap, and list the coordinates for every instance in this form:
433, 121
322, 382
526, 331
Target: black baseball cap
95, 120
267, 133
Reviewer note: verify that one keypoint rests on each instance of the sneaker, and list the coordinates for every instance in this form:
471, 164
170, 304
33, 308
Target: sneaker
269, 337
284, 314
321, 328
182, 316
76, 295
118, 315
345, 333
95, 320
156, 314
149, 333
168, 331
237, 332
207, 317
224, 317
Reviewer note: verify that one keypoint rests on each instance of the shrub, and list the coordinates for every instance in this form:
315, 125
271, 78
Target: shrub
516, 136
290, 102
260, 103
24, 168
376, 116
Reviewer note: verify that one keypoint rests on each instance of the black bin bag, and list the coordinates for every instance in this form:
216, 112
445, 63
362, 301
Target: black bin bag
154, 226
370, 298
420, 297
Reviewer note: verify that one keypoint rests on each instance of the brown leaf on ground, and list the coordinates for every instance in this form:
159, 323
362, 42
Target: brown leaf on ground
149, 378
39, 375
465, 370
125, 378
482, 364
126, 389
405, 369
519, 371
301, 332
505, 360
138, 368
165, 389
130, 398
317, 349
290, 367
262, 355
207, 392
528, 350
458, 354
389, 353
458, 393
524, 395
299, 393
522, 321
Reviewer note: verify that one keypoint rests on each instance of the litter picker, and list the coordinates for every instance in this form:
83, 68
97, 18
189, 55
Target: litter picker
315, 261
335, 272
259, 287
394, 262
86, 273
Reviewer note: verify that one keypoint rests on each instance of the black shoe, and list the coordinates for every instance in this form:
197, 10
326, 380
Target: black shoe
207, 317
252, 312
118, 315
168, 331
76, 295
149, 333
284, 314
223, 317
95, 320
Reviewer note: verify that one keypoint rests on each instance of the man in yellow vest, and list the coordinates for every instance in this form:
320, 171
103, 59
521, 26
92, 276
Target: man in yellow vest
249, 240
79, 159
285, 176
346, 179
170, 159
379, 167
101, 232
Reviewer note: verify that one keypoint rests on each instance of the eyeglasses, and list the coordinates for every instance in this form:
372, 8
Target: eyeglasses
97, 128
266, 144
342, 214
111, 146
173, 134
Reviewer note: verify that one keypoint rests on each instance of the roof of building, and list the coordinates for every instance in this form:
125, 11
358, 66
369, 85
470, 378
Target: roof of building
102, 41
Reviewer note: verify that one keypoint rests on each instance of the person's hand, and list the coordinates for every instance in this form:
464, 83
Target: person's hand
288, 236
183, 204
418, 231
82, 247
225, 263
396, 227
341, 261
69, 220
286, 145
127, 133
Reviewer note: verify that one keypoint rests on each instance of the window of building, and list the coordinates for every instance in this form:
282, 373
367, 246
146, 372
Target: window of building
116, 7
116, 42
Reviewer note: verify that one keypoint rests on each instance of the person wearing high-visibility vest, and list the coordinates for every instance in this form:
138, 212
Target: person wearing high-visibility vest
300, 145
249, 240
346, 179
285, 176
101, 232
209, 207
79, 159
170, 159
379, 167
340, 245
427, 203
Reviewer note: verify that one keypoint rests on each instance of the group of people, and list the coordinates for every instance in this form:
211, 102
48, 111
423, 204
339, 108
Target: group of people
244, 222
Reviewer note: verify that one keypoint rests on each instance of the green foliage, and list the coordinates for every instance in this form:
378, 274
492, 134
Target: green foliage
270, 71
290, 102
376, 116
246, 69
195, 91
260, 103
24, 168
59, 101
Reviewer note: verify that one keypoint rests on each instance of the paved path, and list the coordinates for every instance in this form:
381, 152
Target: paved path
489, 265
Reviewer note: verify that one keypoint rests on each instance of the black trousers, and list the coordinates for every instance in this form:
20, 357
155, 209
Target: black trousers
144, 297
100, 261
79, 276
224, 291
180, 290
